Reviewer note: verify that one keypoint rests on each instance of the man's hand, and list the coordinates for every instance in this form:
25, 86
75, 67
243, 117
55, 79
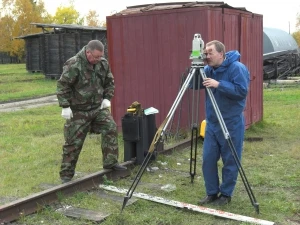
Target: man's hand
66, 113
208, 82
105, 104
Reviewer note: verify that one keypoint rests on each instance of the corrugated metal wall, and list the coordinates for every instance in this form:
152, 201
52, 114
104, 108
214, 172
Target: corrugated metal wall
47, 52
150, 51
256, 68
5, 58
59, 47
33, 62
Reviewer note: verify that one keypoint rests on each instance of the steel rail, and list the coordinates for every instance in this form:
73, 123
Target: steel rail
31, 204
28, 205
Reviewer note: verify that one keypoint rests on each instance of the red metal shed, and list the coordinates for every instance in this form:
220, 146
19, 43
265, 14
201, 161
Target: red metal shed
149, 48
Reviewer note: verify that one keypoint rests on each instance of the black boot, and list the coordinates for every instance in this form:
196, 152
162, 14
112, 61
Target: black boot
65, 179
208, 199
116, 167
222, 200
119, 167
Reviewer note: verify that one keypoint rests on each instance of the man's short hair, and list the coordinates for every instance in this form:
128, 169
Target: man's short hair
95, 45
220, 47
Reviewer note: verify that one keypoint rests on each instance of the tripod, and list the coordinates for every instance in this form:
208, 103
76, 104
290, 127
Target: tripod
157, 137
197, 65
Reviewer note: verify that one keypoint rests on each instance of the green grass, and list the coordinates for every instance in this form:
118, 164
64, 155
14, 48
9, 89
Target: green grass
30, 154
31, 147
16, 83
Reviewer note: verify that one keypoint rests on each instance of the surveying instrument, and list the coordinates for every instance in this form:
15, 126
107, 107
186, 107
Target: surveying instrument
197, 72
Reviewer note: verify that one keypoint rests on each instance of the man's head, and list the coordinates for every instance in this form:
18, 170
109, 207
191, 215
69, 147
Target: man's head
94, 51
215, 53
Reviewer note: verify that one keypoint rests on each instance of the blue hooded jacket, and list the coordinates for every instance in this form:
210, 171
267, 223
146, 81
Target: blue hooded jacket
232, 90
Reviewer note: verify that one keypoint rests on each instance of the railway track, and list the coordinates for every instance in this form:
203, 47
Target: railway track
25, 206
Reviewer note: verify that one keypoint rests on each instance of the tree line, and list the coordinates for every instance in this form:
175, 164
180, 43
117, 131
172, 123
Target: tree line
16, 17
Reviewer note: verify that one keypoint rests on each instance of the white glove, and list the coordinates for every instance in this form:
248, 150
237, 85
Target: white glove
105, 104
67, 113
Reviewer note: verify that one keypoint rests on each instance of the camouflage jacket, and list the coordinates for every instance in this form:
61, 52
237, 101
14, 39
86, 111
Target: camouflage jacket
83, 86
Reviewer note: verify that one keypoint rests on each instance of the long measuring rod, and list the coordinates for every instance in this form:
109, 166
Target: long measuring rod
230, 143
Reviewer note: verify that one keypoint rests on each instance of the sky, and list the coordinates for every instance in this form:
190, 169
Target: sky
276, 14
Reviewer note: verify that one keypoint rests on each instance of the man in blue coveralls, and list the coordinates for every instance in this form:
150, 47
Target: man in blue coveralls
229, 81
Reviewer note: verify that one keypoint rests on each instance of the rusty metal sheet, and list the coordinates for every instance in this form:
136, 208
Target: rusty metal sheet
150, 53
257, 68
79, 213
245, 51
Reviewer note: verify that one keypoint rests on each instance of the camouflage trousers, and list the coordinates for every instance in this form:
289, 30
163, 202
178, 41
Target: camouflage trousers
75, 131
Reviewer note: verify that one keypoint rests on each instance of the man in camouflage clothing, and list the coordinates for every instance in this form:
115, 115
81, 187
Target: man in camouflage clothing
84, 91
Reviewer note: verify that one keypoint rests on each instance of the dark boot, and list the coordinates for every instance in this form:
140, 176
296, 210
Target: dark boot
208, 199
65, 179
222, 200
116, 167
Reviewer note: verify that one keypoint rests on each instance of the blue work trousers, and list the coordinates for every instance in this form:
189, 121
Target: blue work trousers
216, 147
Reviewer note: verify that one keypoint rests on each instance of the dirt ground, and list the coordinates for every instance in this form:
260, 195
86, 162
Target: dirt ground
32, 103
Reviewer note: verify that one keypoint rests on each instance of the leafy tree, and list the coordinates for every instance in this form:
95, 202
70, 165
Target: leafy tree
67, 15
103, 24
92, 19
296, 34
18, 16
6, 36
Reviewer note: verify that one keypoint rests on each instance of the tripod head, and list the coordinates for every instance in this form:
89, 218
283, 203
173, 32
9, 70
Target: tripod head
198, 56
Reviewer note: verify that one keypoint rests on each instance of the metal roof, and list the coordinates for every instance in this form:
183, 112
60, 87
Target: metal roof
30, 35
277, 40
173, 5
59, 28
67, 26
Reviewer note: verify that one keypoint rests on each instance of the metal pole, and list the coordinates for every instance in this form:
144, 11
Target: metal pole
195, 125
